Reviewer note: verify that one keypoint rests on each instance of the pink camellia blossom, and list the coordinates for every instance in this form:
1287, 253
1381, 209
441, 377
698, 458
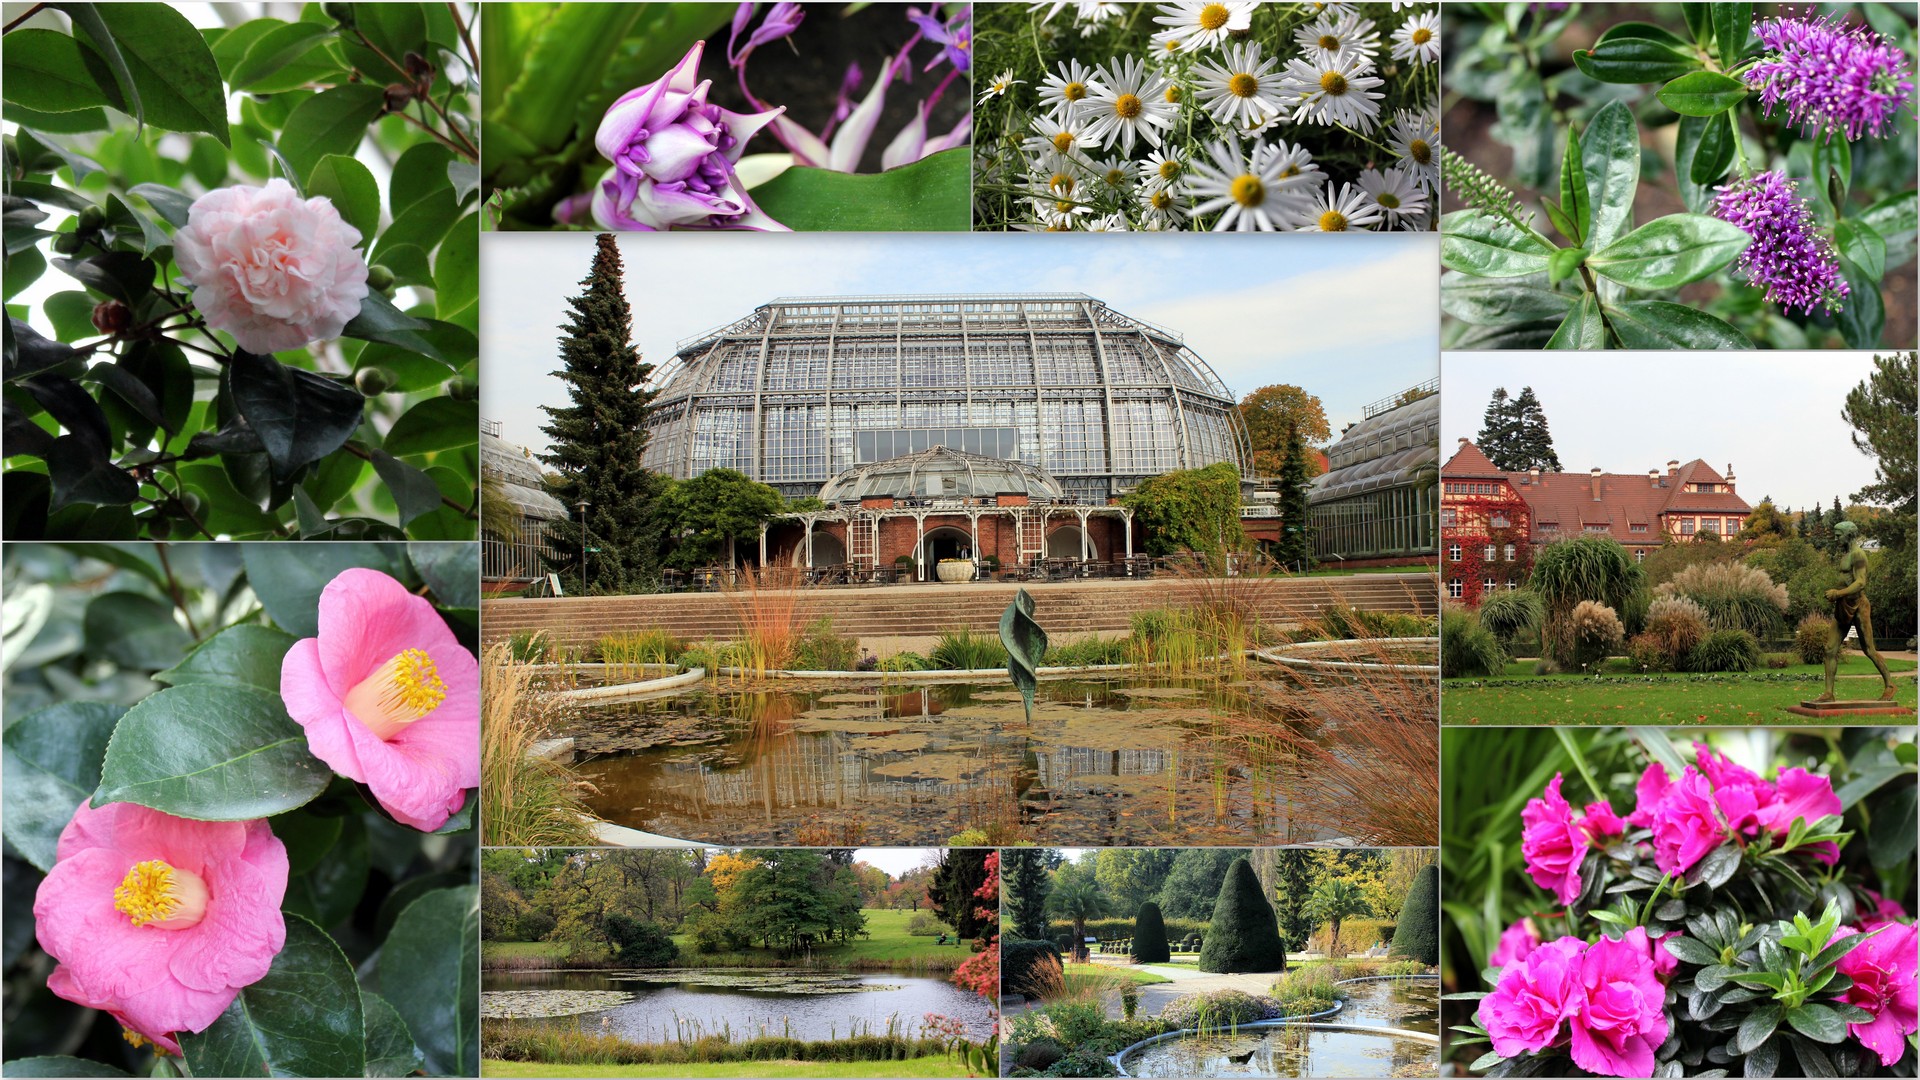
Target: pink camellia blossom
274, 270
160, 920
388, 697
673, 156
1883, 970
1529, 1007
1516, 942
1621, 1019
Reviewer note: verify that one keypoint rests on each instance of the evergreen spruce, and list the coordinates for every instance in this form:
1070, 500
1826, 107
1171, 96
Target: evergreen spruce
960, 873
1295, 551
1024, 887
1416, 935
1150, 936
1532, 446
1496, 428
597, 441
1292, 887
1242, 935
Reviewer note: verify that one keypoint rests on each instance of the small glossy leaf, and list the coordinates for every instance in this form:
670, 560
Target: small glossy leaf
1582, 329
1634, 60
51, 72
174, 71
390, 1049
244, 655
1817, 1022
1833, 168
1576, 200
1645, 32
330, 122
1712, 150
1897, 219
414, 492
1498, 301
1862, 313
286, 57
67, 402
1564, 264
328, 891
52, 765
380, 321
134, 631
82, 475
930, 195
29, 354
1610, 156
121, 275
299, 416
1860, 243
170, 203
1478, 243
1732, 29
56, 1065
427, 971
353, 190
288, 577
1659, 324
212, 753
423, 169
452, 571
435, 424
1669, 252
1699, 23
456, 269
1757, 1027
1702, 93
302, 1019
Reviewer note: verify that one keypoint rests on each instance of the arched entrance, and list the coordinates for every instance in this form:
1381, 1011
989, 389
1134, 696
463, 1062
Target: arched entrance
1064, 543
828, 550
945, 542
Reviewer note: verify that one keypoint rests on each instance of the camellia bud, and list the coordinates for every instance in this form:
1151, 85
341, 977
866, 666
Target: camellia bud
195, 504
379, 278
340, 13
67, 243
399, 96
111, 316
374, 381
92, 218
417, 65
463, 389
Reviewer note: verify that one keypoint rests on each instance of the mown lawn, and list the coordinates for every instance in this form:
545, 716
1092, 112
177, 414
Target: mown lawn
514, 950
1139, 976
887, 943
938, 1065
1851, 664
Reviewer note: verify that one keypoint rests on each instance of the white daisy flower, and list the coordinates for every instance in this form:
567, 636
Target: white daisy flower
1418, 39
1333, 35
1295, 162
1066, 89
1162, 169
1114, 174
1326, 9
1242, 88
1347, 211
1161, 209
1192, 26
1415, 139
1129, 100
1063, 182
1058, 215
999, 85
1252, 193
1057, 142
1339, 91
1398, 193
1114, 222
1052, 8
1095, 12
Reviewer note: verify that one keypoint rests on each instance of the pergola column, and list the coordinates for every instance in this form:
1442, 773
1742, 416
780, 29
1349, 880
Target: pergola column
809, 543
763, 545
920, 547
1085, 543
1126, 519
973, 535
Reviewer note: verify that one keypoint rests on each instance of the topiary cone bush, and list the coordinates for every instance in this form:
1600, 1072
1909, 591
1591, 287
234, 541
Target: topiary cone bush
1417, 935
1150, 936
1242, 935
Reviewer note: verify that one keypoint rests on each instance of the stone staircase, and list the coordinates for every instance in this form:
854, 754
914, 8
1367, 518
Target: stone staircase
1068, 610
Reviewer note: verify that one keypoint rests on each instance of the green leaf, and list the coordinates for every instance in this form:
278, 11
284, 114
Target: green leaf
465, 178
211, 753
530, 108
1610, 157
1732, 27
83, 475
300, 416
380, 321
1712, 147
51, 765
1817, 1022
56, 1065
1857, 241
1525, 123
174, 71
440, 423
353, 190
1692, 951
390, 1049
230, 47
930, 195
1658, 324
1635, 60
1833, 169
171, 204
51, 72
1862, 313
244, 655
1669, 252
394, 30
452, 571
288, 578
125, 276
1757, 1028
456, 269
1498, 301
421, 171
1893, 839
1576, 200
331, 122
427, 971
1478, 243
328, 891
1897, 219
302, 1018
1702, 93
86, 18
285, 58
1699, 23
422, 224
414, 492
1645, 32
1582, 329
1564, 263
134, 631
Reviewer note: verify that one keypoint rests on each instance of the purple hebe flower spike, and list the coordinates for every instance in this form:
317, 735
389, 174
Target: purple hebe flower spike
1829, 77
1788, 257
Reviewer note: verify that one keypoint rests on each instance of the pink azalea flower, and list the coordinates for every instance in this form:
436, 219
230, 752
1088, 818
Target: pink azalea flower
1883, 970
1655, 947
1552, 845
1530, 1005
1801, 795
1687, 822
1516, 942
1653, 786
159, 920
388, 697
1622, 1019
1885, 910
1601, 824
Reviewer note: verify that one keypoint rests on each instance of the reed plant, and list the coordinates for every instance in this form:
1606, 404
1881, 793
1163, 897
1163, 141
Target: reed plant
771, 611
525, 801
562, 1042
652, 645
966, 649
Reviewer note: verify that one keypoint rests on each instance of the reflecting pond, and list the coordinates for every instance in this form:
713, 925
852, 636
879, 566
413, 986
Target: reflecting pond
1117, 762
663, 1005
1408, 1004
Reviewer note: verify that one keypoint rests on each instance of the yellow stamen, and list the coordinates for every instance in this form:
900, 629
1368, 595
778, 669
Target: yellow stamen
1388, 199
1247, 190
1290, 171
1333, 221
1243, 85
1419, 151
1334, 83
400, 691
1329, 42
1213, 16
1074, 91
1064, 141
1422, 35
166, 897
134, 1038
1116, 177
1126, 106
1162, 200
1169, 169
1060, 184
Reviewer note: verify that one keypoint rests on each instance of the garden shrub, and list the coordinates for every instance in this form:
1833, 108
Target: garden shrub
1648, 653
1734, 596
1417, 935
1508, 615
1039, 1055
1812, 638
926, 924
1242, 934
904, 661
1676, 624
1546, 666
1307, 989
1778, 660
1107, 929
1219, 1008
640, 943
1150, 936
1593, 632
1083, 1062
1725, 650
821, 649
1466, 647
1029, 966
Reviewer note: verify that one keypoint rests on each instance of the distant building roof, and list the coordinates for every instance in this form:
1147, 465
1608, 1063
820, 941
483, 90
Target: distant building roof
1609, 502
520, 477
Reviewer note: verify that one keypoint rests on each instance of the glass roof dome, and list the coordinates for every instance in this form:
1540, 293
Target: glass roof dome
1385, 450
940, 473
520, 478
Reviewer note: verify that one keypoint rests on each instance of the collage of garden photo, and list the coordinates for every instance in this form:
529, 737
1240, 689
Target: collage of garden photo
590, 538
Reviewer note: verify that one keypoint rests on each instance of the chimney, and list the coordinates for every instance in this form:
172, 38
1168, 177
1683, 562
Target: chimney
1463, 440
1533, 475
1673, 468
1595, 479
1729, 477
1653, 477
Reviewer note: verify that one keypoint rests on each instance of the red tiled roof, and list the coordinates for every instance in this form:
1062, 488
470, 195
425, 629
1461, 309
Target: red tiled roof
1469, 461
1625, 499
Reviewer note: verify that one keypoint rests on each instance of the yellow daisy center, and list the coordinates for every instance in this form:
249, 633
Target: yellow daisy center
1419, 151
1422, 35
156, 894
1161, 200
1290, 171
1169, 170
1116, 177
1333, 221
1074, 91
1388, 199
1213, 16
1173, 94
1063, 206
1064, 141
1126, 106
400, 691
1247, 190
1329, 42
1243, 85
1333, 83
1060, 183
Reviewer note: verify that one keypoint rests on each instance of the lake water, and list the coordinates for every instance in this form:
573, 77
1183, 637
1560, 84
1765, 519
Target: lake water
1411, 1005
649, 1006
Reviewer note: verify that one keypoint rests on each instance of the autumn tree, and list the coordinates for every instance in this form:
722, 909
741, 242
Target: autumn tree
1270, 412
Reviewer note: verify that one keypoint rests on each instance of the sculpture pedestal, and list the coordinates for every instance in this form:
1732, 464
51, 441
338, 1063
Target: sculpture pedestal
1843, 711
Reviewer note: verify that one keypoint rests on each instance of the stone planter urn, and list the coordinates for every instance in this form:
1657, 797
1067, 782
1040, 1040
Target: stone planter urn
951, 570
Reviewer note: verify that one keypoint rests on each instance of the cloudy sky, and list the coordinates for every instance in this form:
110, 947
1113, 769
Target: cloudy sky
1774, 416
897, 861
1351, 318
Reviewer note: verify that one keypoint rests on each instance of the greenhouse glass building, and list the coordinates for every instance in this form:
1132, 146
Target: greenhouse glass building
1379, 499
804, 389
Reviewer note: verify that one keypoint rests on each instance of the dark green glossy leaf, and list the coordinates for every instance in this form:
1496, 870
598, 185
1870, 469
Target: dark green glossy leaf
1497, 301
330, 122
121, 275
1645, 32
299, 416
1833, 169
1757, 1027
423, 169
285, 58
329, 890
1712, 148
452, 571
302, 1019
1526, 125
1863, 313
380, 321
1658, 324
170, 203
1858, 242
1564, 263
51, 72
212, 753
52, 765
390, 1049
1477, 243
1699, 23
413, 491
134, 631
1669, 252
288, 577
435, 424
1582, 328
70, 404
1732, 28
174, 71
1817, 1022
29, 353
1634, 60
353, 190
244, 655
428, 969
1576, 200
456, 269
58, 1066
1893, 837
930, 195
1610, 156
1897, 219
1702, 93
82, 475
394, 30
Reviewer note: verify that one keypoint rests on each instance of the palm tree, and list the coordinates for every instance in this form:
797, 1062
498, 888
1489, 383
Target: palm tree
1334, 900
1076, 896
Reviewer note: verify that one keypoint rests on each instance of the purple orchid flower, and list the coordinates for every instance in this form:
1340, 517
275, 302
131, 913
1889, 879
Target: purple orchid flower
781, 22
955, 37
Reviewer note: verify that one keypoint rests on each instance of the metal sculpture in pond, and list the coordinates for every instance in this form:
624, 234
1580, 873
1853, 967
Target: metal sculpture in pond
1026, 643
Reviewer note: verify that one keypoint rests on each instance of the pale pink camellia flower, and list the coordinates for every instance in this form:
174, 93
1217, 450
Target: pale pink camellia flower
388, 697
274, 270
1529, 1006
159, 920
1622, 1018
1885, 970
1516, 942
673, 156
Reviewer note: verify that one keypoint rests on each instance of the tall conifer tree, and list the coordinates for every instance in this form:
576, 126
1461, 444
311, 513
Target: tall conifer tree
1532, 445
1024, 885
1496, 428
1295, 550
598, 439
